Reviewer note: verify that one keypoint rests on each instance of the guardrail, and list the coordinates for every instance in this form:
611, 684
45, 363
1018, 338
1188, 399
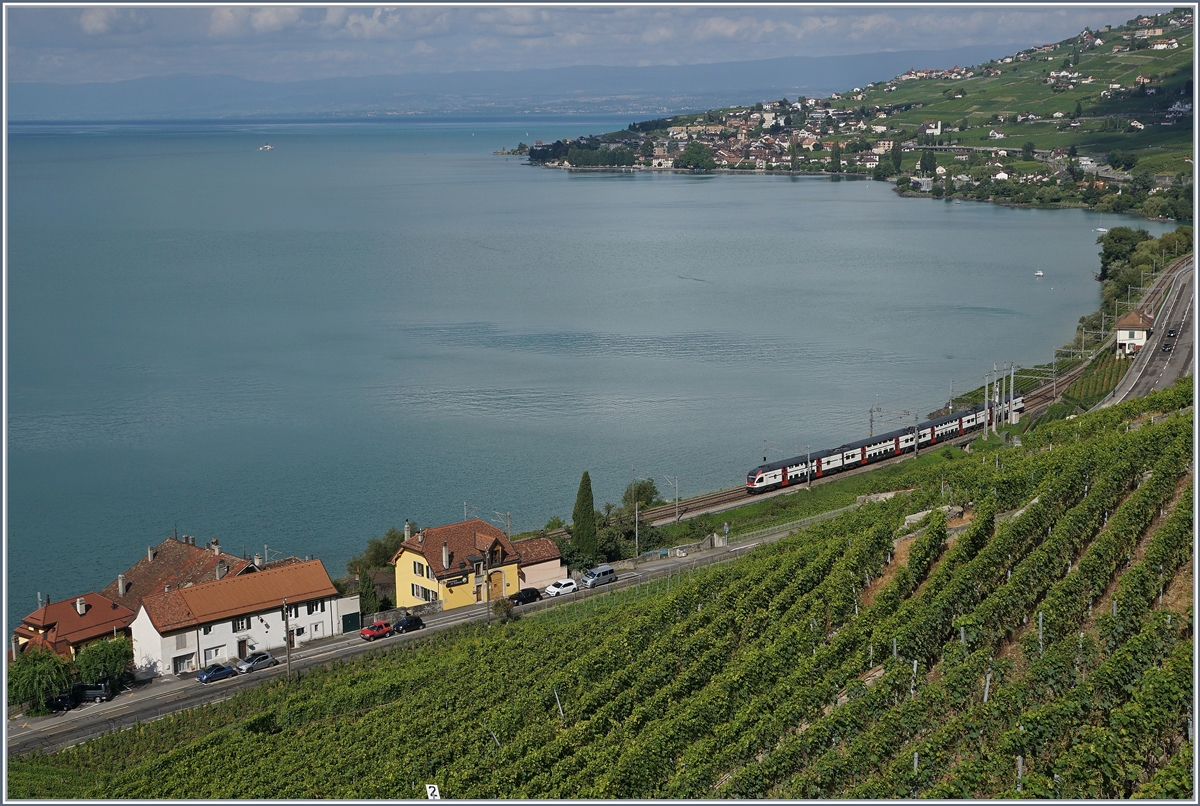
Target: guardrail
790, 525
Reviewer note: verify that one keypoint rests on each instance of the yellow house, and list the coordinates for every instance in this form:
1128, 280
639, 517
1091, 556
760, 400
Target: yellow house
459, 564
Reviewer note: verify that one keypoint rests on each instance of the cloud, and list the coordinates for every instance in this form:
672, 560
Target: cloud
98, 21
274, 19
226, 22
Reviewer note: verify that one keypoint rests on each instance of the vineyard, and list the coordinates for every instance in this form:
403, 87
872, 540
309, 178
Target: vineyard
1101, 377
1039, 646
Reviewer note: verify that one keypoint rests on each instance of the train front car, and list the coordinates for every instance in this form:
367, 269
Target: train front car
755, 481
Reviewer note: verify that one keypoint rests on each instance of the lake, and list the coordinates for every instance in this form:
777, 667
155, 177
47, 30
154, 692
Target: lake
301, 347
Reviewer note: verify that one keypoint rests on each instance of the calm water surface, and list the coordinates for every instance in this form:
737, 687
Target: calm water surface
302, 347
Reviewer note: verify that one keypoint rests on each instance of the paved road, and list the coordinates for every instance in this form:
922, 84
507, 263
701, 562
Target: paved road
1153, 368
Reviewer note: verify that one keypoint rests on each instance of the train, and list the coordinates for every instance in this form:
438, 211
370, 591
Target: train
774, 475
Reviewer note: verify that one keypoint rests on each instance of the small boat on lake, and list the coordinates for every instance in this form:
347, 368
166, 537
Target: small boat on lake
1039, 273
266, 147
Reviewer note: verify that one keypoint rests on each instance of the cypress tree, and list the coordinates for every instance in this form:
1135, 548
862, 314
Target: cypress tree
583, 519
368, 599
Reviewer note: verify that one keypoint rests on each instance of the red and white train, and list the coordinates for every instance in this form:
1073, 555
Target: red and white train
774, 475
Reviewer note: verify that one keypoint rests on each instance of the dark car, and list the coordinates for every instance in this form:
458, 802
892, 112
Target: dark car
525, 596
255, 661
216, 671
380, 629
408, 624
61, 702
93, 692
1171, 333
1166, 346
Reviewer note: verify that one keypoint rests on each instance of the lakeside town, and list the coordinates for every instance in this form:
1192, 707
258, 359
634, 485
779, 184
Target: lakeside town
1083, 122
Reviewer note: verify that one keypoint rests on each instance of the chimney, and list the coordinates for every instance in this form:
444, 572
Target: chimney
191, 540
121, 586
421, 536
407, 529
81, 606
445, 555
16, 649
216, 547
221, 569
258, 562
166, 588
149, 554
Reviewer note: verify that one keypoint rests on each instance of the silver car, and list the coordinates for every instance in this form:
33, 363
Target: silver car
256, 661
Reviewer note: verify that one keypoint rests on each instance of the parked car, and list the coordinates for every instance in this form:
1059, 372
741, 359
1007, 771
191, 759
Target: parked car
1171, 333
94, 692
408, 624
1166, 346
562, 587
380, 629
525, 596
63, 701
255, 661
215, 671
600, 575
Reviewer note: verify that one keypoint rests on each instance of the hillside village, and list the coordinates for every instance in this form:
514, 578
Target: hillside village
1052, 124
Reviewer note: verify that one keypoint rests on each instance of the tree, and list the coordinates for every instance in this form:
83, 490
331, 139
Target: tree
583, 519
36, 675
646, 149
1078, 110
928, 162
897, 155
368, 599
696, 155
1117, 245
1027, 150
104, 660
835, 158
646, 494
1072, 151
379, 550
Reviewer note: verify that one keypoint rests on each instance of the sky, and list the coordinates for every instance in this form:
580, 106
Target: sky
285, 43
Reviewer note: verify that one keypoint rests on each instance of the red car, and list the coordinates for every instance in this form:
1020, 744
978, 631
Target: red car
380, 629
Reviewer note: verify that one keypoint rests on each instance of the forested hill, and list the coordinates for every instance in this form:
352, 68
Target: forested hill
1038, 646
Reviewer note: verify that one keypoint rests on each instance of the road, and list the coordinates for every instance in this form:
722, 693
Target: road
1152, 367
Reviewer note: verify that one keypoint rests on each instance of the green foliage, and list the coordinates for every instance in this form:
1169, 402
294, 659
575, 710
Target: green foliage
104, 660
1117, 245
379, 551
696, 155
583, 520
646, 493
36, 675
368, 599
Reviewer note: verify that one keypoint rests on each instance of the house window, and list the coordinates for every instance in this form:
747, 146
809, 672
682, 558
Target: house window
294, 611
241, 623
424, 594
310, 608
299, 631
1131, 334
181, 641
418, 569
428, 572
206, 630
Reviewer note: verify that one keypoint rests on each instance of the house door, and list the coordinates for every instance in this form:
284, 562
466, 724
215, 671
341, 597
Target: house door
292, 639
242, 649
495, 586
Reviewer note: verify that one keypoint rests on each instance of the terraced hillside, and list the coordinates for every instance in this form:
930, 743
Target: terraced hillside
1040, 645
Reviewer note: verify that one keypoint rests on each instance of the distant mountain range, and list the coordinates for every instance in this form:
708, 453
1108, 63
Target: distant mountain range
595, 89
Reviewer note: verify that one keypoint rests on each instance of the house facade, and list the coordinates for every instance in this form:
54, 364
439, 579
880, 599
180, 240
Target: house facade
458, 564
184, 629
1133, 330
540, 563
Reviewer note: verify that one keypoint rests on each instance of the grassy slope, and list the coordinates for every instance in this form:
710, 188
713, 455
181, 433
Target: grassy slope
699, 686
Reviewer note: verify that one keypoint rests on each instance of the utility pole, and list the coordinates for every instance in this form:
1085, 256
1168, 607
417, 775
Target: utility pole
674, 482
871, 413
287, 638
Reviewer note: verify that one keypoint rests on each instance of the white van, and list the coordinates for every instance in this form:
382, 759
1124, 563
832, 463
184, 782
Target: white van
599, 575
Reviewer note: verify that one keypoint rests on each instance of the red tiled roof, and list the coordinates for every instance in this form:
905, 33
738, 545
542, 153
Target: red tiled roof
238, 595
176, 564
473, 538
537, 550
1137, 320
59, 625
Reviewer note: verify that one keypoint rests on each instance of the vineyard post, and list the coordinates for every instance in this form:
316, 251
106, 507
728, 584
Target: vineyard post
561, 717
912, 684
915, 759
1041, 643
962, 634
894, 649
987, 685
